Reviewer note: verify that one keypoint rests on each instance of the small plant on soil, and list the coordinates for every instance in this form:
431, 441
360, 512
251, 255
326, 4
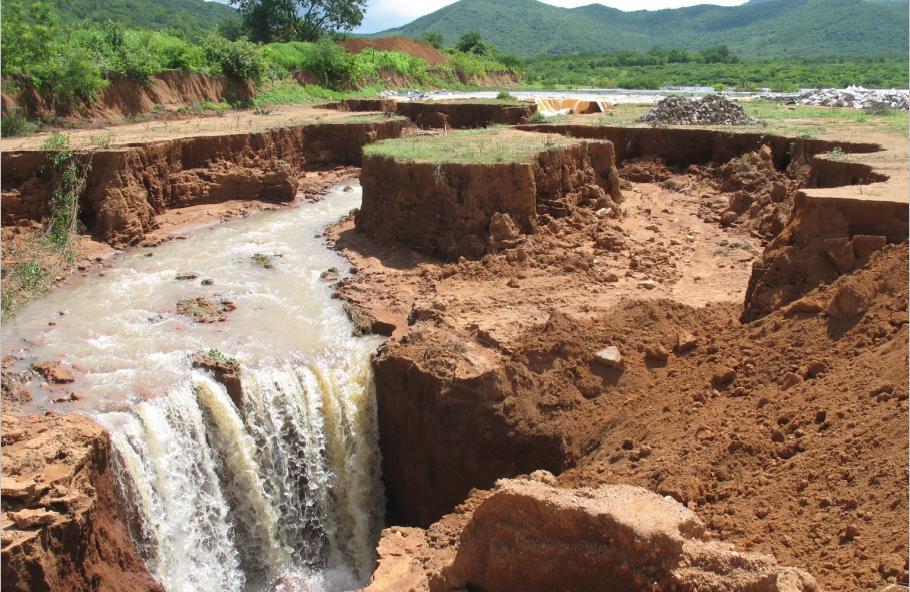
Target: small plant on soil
504, 96
219, 356
69, 181
538, 117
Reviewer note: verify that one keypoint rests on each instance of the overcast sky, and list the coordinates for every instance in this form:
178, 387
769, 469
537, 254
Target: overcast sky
385, 14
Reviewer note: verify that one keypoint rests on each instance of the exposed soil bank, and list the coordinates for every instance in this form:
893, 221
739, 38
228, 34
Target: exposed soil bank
611, 538
125, 98
63, 523
681, 147
825, 238
128, 186
452, 114
786, 436
453, 210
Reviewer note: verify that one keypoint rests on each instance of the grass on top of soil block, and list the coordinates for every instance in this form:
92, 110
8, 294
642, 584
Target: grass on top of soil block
483, 146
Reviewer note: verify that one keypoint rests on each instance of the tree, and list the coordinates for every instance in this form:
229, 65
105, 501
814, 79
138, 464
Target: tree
472, 42
432, 38
302, 20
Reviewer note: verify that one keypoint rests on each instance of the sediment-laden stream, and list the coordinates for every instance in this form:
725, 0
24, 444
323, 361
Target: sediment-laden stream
225, 495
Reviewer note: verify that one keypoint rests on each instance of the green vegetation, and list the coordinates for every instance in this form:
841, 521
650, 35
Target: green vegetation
69, 176
658, 68
298, 20
79, 61
76, 62
773, 28
183, 18
484, 146
38, 258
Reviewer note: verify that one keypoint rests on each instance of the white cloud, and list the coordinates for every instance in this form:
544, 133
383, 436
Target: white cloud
385, 14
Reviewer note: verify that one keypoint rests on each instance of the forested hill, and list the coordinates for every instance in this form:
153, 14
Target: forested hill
759, 28
191, 16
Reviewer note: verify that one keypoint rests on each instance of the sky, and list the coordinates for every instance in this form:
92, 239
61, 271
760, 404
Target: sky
385, 14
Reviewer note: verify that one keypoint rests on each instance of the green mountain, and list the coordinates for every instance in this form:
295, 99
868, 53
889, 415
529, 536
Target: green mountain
191, 16
759, 28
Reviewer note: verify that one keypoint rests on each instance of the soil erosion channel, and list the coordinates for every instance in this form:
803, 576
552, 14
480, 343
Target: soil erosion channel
231, 488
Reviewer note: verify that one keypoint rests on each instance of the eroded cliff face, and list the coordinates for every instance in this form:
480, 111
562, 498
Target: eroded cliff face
127, 187
824, 239
63, 521
454, 210
124, 98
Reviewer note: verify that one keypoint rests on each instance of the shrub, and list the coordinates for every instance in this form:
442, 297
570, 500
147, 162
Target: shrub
14, 123
234, 58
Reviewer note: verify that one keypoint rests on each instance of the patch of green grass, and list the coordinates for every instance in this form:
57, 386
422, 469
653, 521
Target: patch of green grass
623, 114
486, 146
289, 92
369, 118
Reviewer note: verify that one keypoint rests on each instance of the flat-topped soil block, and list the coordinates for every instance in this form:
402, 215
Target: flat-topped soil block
466, 114
470, 193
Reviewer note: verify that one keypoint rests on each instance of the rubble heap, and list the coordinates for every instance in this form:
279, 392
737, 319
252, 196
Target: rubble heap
709, 110
857, 97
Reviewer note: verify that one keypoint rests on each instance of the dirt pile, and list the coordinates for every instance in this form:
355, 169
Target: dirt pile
63, 527
607, 538
463, 210
709, 110
786, 436
403, 44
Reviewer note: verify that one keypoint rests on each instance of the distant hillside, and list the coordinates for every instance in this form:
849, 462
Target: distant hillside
759, 28
192, 16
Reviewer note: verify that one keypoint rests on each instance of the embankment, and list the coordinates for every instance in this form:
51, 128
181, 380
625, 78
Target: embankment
126, 187
125, 98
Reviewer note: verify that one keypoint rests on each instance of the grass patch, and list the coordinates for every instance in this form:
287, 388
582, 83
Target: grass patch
486, 146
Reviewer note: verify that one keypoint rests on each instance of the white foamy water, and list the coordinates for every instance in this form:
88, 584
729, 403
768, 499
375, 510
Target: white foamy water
224, 495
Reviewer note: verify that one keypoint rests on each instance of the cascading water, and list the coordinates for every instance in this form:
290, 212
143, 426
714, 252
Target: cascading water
225, 494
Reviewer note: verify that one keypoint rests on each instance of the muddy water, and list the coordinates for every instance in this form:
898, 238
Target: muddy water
225, 496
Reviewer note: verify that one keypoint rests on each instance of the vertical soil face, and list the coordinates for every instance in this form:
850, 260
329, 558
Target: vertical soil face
824, 239
125, 98
127, 187
465, 115
454, 210
63, 525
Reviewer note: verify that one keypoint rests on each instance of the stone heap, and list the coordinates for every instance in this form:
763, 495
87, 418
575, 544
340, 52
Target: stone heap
709, 110
856, 97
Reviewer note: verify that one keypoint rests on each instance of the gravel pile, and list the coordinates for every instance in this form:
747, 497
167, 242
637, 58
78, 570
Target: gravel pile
856, 97
709, 110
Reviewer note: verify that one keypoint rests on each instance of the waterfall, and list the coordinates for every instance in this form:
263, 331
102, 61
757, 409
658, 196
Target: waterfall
228, 498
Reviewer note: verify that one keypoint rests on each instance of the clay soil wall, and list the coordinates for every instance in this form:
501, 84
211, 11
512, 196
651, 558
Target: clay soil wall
446, 210
128, 186
125, 98
466, 115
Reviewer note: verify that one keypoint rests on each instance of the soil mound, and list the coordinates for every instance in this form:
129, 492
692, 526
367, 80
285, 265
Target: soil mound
403, 44
709, 110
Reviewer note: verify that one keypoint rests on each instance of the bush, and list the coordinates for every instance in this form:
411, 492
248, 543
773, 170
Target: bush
234, 58
14, 123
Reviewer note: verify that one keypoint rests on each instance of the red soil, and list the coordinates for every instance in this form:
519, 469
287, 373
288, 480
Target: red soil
403, 44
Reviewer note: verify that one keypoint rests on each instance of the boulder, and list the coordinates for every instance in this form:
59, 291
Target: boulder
534, 537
